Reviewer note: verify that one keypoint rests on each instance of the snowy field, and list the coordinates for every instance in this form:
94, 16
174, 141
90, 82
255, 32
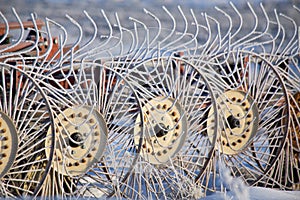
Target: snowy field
56, 10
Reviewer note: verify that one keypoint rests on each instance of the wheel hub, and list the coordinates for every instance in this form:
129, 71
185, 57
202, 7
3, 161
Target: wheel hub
8, 143
81, 137
166, 130
239, 121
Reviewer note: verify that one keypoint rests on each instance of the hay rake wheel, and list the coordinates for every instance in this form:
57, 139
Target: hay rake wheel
94, 116
251, 99
91, 104
25, 115
287, 62
286, 175
175, 149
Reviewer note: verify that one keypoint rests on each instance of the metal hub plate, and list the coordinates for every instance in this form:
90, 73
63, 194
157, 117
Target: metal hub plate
8, 143
166, 130
81, 137
239, 121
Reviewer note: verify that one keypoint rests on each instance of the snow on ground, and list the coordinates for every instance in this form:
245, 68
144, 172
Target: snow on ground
257, 193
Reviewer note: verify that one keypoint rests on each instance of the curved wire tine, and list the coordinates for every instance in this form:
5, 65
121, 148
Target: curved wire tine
114, 43
262, 34
178, 44
216, 44
50, 58
22, 30
19, 40
6, 27
201, 53
182, 34
292, 40
148, 46
159, 26
241, 20
61, 60
227, 34
191, 45
79, 38
132, 41
173, 25
42, 57
253, 29
56, 57
92, 52
208, 45
251, 36
143, 47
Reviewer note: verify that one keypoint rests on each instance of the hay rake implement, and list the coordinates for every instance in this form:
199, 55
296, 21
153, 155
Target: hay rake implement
151, 109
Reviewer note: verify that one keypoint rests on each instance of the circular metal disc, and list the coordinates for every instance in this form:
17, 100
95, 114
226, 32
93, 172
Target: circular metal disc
240, 118
81, 136
8, 143
166, 130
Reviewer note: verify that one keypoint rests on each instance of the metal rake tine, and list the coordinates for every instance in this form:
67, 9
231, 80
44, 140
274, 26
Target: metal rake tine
132, 41
42, 58
7, 30
253, 29
19, 40
208, 45
216, 44
111, 34
158, 25
241, 20
149, 46
6, 27
178, 45
246, 40
58, 57
79, 38
185, 27
227, 34
143, 47
189, 47
115, 43
108, 47
292, 40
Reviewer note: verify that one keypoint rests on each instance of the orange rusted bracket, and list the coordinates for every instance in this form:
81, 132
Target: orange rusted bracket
16, 25
26, 24
43, 43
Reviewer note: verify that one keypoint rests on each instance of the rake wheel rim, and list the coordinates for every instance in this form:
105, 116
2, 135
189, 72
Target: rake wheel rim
295, 130
29, 109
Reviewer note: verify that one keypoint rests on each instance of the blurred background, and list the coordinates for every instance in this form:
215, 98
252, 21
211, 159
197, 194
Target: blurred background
57, 10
